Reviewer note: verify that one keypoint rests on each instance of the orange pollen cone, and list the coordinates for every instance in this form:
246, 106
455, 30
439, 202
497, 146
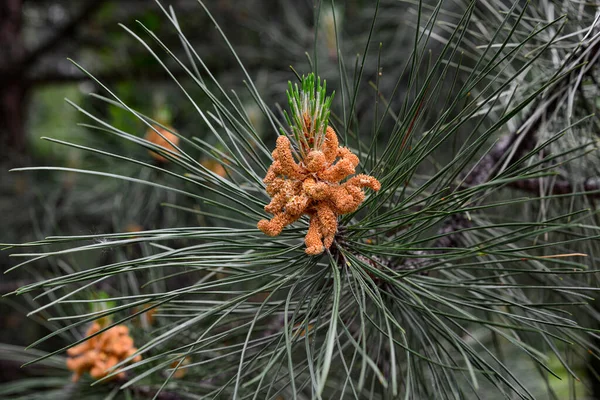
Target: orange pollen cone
314, 188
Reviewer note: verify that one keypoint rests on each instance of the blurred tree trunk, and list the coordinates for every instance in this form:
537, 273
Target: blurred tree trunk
13, 88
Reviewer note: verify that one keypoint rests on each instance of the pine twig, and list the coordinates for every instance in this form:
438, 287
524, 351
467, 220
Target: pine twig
590, 187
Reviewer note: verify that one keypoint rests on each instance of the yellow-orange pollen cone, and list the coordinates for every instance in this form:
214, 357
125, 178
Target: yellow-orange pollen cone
158, 140
313, 187
102, 352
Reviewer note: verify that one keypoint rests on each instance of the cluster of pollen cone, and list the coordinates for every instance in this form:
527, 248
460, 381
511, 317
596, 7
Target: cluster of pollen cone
99, 354
313, 186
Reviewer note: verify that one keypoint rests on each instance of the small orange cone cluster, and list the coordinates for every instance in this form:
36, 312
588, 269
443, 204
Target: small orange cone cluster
181, 372
102, 352
146, 318
158, 140
215, 167
133, 227
313, 187
302, 332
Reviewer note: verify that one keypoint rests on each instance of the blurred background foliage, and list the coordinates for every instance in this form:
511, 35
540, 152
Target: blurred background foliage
37, 37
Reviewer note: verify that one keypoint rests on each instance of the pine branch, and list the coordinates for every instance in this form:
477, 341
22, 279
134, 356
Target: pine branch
514, 145
327, 301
